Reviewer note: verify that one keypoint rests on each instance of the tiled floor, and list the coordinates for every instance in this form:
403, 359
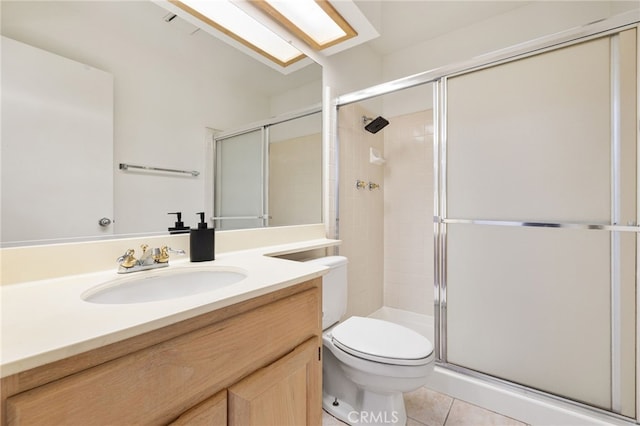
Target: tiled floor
428, 408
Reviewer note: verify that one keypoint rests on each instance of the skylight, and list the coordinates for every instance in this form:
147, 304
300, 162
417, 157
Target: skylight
226, 17
315, 21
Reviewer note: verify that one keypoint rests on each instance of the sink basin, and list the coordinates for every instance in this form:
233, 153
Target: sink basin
161, 286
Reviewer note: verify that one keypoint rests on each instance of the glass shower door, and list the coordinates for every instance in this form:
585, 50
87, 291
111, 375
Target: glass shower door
239, 184
537, 222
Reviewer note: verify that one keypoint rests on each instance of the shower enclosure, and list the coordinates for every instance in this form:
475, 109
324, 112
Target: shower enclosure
537, 221
536, 217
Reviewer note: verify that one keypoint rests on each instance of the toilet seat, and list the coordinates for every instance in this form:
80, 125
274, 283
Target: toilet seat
381, 341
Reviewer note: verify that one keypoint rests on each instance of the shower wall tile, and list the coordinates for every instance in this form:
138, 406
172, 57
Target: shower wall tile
361, 211
408, 213
295, 181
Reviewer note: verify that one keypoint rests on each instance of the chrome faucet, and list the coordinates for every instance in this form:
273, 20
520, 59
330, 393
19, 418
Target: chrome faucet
150, 259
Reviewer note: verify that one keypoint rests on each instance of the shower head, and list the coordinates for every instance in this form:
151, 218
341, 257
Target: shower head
375, 125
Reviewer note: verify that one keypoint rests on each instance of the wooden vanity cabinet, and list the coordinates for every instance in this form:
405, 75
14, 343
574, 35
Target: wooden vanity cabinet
253, 363
211, 412
277, 394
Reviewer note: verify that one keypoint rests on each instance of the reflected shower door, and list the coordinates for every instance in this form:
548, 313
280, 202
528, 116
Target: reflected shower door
538, 222
239, 187
295, 171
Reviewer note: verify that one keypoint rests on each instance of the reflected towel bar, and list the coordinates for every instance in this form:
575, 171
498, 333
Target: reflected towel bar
237, 217
124, 166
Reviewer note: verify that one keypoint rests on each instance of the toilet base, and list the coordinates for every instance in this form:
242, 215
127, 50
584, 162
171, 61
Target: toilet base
369, 413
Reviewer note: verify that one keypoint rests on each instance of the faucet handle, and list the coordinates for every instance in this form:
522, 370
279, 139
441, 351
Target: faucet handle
127, 260
162, 255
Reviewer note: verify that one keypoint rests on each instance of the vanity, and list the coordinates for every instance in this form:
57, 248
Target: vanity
248, 353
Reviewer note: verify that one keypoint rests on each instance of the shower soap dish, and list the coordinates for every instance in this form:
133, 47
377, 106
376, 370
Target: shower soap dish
375, 157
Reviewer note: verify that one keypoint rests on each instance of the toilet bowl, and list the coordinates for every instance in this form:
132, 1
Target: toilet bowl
367, 363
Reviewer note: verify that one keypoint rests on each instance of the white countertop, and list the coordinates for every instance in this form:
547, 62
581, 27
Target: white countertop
45, 321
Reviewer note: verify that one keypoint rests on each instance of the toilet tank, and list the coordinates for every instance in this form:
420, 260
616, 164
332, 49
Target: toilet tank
334, 289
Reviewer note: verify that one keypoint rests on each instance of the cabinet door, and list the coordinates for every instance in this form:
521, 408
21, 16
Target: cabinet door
287, 392
210, 412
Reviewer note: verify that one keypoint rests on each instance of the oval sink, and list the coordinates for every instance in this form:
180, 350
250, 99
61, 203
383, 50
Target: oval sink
151, 288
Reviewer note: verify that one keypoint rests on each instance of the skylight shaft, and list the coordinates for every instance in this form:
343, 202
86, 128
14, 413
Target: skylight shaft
238, 23
310, 18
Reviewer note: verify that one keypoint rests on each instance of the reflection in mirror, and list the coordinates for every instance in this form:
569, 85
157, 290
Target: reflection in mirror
171, 82
238, 179
53, 108
295, 171
270, 175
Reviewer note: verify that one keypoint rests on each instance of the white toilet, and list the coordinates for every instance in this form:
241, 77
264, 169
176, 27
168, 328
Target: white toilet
367, 363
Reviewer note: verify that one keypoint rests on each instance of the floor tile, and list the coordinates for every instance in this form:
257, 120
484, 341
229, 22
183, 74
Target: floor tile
427, 407
465, 414
412, 422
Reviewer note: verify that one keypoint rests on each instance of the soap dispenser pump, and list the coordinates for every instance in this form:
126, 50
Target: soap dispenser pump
178, 227
202, 242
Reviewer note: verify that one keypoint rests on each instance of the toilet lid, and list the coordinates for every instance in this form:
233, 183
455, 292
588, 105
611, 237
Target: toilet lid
381, 341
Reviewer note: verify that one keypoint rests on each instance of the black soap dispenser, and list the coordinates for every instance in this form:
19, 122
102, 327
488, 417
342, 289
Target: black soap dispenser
202, 242
178, 227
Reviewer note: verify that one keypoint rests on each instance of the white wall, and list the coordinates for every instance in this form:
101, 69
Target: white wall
299, 97
351, 70
169, 87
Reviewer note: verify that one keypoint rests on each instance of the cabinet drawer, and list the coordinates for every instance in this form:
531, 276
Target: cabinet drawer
157, 384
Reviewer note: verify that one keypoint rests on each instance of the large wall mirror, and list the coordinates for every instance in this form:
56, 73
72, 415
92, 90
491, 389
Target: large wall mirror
164, 86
